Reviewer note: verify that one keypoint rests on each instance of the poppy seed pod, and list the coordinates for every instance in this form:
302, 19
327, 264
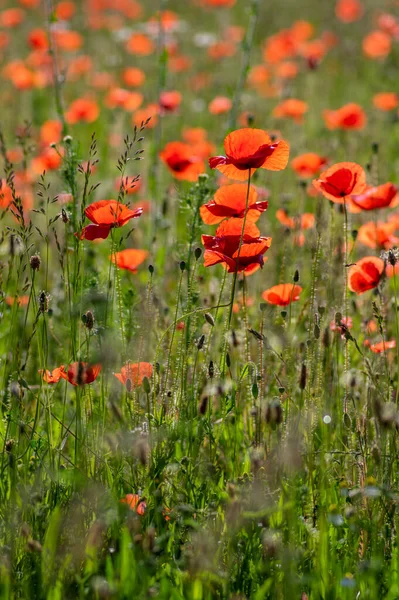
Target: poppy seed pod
88, 320
35, 262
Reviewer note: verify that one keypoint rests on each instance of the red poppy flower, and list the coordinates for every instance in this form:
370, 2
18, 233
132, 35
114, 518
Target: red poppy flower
376, 197
250, 149
170, 101
133, 77
132, 374
130, 185
377, 44
129, 259
82, 110
220, 105
349, 11
282, 294
182, 162
106, 214
304, 221
140, 44
365, 274
287, 70
377, 235
134, 503
343, 326
341, 181
230, 201
308, 165
81, 373
291, 109
53, 376
37, 39
380, 346
223, 247
350, 116
386, 101
18, 300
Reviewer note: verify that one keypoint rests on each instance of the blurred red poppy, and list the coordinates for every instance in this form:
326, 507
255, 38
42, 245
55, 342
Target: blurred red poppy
376, 197
377, 44
132, 374
129, 259
365, 274
53, 376
250, 149
350, 116
377, 234
308, 165
282, 294
134, 503
380, 347
341, 181
220, 105
343, 326
291, 108
82, 109
304, 221
349, 11
81, 373
181, 161
386, 101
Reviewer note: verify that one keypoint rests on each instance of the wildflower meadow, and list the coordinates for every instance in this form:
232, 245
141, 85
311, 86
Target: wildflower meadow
199, 287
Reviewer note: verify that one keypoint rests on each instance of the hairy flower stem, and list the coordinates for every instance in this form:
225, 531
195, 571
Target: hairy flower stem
233, 287
346, 307
397, 333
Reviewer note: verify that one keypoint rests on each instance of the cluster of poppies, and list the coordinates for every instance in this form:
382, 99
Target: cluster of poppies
345, 183
237, 244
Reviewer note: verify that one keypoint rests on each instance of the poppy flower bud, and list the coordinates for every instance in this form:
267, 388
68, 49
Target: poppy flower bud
203, 177
392, 256
151, 269
182, 265
296, 276
67, 139
211, 369
9, 445
44, 300
302, 379
146, 385
313, 63
201, 342
35, 262
375, 147
274, 412
203, 405
209, 319
88, 320
250, 119
197, 253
